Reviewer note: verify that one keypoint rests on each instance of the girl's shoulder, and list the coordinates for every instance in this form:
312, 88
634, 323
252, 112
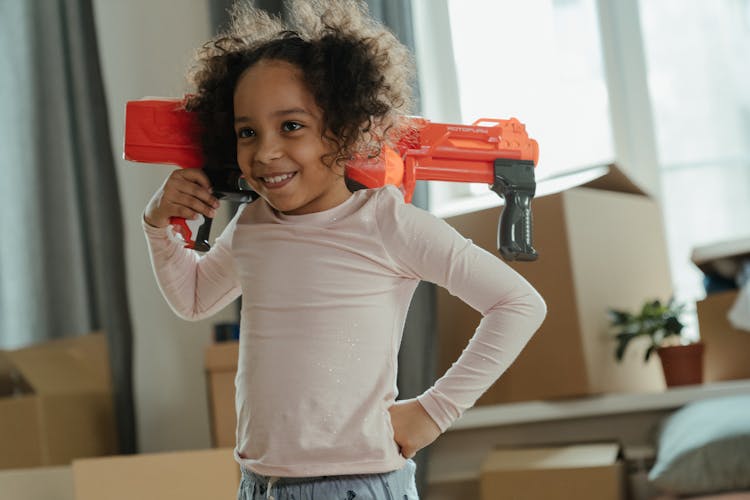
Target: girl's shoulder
387, 204
395, 214
389, 191
387, 196
390, 197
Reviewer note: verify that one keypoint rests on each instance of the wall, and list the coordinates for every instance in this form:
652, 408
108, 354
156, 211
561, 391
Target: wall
145, 48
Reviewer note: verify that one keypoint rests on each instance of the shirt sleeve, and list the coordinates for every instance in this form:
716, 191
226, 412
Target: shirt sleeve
425, 247
195, 286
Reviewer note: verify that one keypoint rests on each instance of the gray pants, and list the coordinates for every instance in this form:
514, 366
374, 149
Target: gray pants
396, 485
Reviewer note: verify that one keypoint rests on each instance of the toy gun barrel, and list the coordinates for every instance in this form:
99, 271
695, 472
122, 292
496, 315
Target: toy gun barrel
450, 171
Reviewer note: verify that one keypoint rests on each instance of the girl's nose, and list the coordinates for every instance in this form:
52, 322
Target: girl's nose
269, 149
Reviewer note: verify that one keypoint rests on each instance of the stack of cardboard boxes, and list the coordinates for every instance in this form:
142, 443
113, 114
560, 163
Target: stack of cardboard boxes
601, 245
727, 347
221, 368
58, 434
187, 475
56, 403
581, 472
184, 475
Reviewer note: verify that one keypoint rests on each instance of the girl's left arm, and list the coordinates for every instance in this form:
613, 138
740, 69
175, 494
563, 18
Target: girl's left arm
426, 247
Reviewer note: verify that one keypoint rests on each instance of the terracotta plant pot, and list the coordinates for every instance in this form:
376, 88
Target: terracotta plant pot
682, 364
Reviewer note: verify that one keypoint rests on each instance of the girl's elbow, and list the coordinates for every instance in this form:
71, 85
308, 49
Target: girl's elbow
538, 307
190, 314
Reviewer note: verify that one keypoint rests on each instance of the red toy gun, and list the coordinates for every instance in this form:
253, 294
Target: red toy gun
499, 153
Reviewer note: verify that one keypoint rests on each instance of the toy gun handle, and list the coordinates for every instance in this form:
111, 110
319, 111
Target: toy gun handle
230, 181
514, 181
201, 239
227, 184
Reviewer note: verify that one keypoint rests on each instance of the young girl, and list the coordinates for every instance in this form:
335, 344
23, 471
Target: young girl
326, 275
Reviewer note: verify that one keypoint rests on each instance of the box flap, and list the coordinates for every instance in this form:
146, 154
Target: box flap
605, 177
707, 257
7, 376
558, 457
615, 180
76, 364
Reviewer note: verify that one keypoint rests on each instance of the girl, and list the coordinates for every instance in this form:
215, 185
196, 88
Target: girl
326, 275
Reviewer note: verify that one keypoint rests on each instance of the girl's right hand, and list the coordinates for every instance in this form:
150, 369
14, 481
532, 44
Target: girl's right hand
185, 194
413, 427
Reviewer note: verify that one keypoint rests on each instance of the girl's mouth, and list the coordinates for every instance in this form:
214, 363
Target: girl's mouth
278, 181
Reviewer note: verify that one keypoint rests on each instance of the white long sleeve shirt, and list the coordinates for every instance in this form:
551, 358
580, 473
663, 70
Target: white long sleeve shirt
324, 301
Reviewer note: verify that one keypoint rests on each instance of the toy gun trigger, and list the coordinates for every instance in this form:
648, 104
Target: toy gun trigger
181, 227
515, 182
202, 233
185, 229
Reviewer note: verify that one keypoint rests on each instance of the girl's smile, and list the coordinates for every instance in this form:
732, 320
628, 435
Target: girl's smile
278, 181
280, 143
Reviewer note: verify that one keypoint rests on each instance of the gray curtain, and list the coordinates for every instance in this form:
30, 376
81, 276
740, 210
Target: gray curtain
62, 267
418, 355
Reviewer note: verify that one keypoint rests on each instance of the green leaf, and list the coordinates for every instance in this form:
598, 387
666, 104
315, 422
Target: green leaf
673, 326
623, 339
651, 309
617, 318
655, 319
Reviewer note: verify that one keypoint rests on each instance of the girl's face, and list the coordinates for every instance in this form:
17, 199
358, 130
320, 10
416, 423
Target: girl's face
280, 142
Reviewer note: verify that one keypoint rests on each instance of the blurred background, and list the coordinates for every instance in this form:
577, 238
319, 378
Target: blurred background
660, 87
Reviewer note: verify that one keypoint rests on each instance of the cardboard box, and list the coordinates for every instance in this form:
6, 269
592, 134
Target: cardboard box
221, 368
580, 472
727, 348
48, 483
56, 403
722, 258
601, 245
185, 475
454, 489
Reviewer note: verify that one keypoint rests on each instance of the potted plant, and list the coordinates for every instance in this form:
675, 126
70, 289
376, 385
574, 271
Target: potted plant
681, 360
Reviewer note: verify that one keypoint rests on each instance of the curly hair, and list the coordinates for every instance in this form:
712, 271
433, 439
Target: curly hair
358, 72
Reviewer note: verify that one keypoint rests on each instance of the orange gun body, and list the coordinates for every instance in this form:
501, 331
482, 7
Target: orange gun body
161, 131
460, 153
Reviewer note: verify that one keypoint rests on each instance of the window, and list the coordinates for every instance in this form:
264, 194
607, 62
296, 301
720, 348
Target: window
539, 61
699, 84
672, 98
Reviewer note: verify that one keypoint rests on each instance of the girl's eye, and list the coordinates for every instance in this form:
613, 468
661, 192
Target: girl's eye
290, 126
244, 133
